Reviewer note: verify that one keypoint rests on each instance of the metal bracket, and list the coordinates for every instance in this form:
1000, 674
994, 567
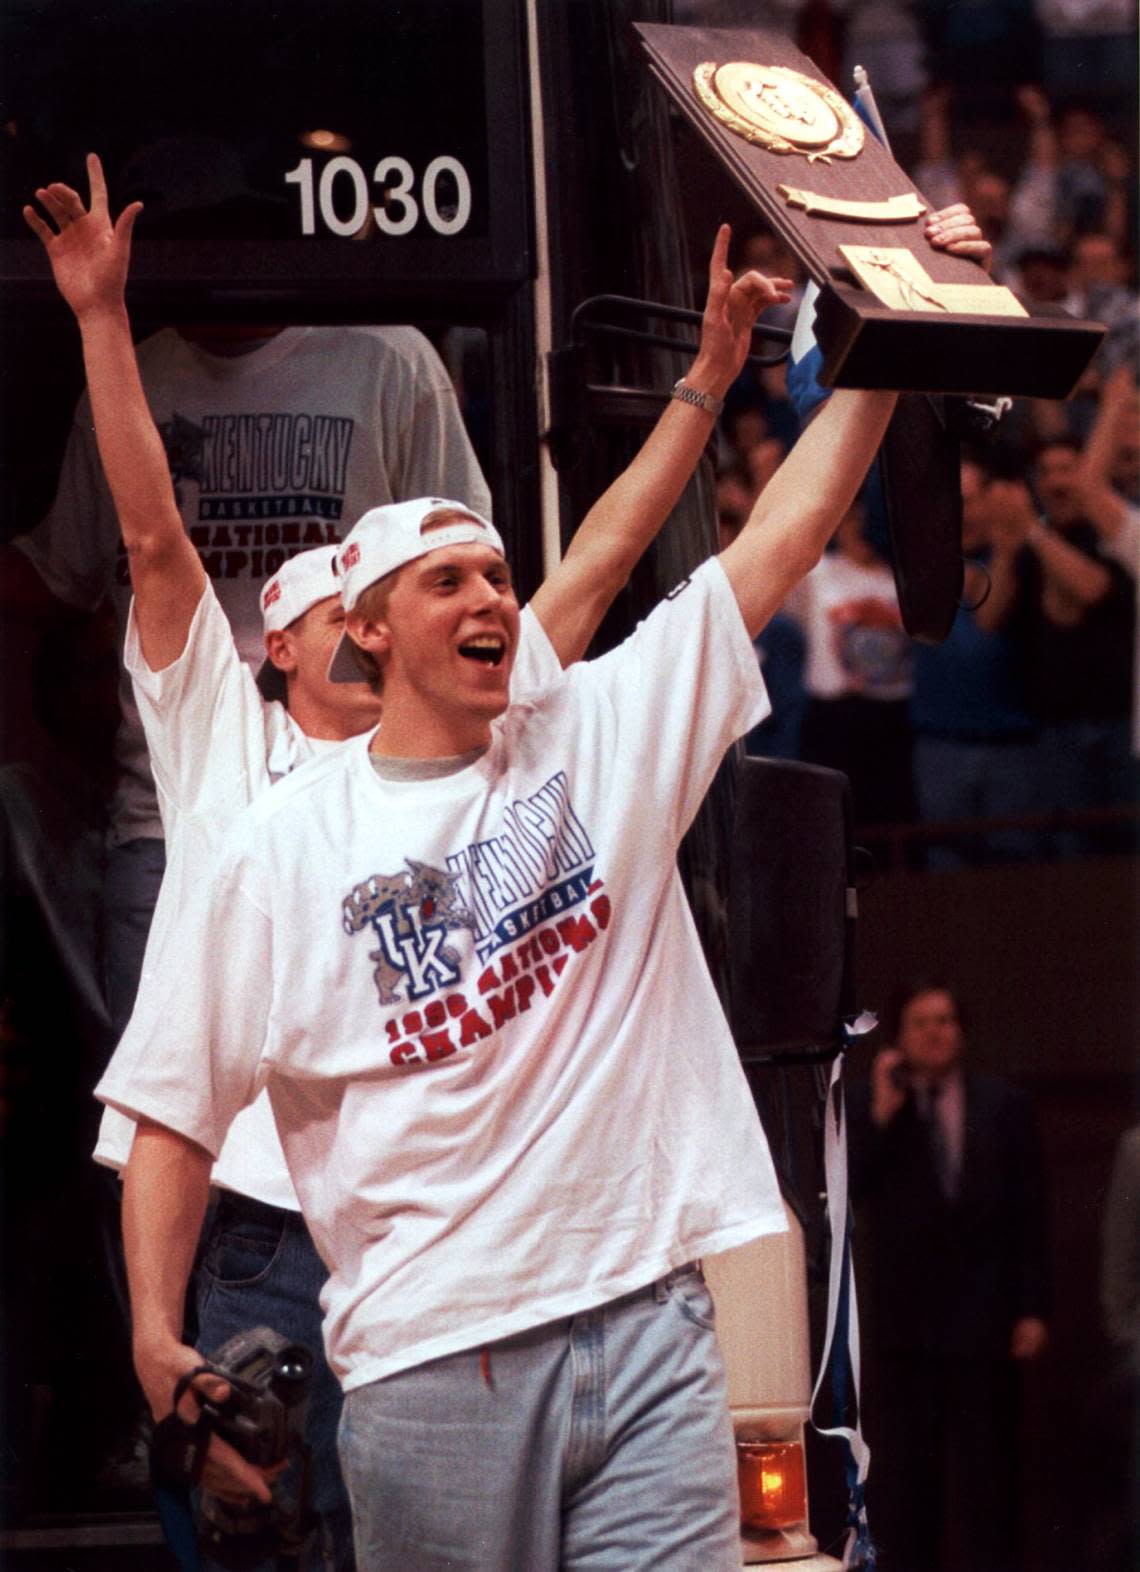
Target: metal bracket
576, 403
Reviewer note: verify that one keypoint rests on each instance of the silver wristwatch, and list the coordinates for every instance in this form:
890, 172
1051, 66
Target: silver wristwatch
688, 395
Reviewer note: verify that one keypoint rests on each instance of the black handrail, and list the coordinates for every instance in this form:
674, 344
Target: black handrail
653, 308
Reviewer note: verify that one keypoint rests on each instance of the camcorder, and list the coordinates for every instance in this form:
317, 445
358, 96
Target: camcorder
263, 1418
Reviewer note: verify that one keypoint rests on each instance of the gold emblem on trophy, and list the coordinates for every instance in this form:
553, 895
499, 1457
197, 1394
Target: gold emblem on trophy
780, 109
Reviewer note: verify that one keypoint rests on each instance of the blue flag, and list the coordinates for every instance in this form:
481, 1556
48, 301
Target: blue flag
805, 359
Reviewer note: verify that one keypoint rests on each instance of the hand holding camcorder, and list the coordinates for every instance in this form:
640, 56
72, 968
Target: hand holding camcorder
263, 1418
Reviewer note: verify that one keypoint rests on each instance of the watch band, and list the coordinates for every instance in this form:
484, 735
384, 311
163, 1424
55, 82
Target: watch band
687, 395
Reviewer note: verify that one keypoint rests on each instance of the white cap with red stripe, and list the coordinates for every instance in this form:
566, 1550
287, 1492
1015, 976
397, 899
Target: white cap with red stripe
388, 537
297, 586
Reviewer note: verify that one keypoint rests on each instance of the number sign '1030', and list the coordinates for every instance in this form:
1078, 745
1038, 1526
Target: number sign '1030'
341, 197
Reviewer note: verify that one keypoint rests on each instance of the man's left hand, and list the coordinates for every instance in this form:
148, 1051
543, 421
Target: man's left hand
1029, 1339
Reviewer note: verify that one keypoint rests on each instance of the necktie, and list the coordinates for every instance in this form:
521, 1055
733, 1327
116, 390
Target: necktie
936, 1135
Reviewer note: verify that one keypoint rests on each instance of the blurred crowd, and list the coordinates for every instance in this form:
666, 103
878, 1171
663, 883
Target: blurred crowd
1017, 736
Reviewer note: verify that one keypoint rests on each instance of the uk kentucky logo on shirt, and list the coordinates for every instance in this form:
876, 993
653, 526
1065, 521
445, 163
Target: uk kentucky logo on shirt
411, 912
529, 899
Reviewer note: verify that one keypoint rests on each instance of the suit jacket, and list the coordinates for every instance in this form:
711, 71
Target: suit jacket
950, 1276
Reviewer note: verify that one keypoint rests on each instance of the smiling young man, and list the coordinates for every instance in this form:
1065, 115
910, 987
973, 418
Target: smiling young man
442, 636
457, 956
453, 953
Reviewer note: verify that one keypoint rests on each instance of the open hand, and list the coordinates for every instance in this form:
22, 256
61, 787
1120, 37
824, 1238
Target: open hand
89, 255
731, 309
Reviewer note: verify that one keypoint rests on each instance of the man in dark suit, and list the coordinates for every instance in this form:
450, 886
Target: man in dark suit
946, 1170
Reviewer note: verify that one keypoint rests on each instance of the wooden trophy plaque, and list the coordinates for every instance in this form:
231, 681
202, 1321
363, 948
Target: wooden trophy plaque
893, 311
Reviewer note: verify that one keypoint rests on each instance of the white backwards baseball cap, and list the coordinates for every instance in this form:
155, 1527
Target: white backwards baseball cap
388, 537
297, 586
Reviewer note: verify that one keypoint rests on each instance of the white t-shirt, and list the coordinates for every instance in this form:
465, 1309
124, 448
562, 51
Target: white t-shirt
216, 746
856, 642
504, 1084
271, 452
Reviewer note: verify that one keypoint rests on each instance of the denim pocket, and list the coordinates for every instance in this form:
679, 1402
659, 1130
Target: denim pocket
241, 1253
690, 1294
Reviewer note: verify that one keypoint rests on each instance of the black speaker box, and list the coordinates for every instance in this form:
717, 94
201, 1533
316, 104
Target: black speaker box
791, 908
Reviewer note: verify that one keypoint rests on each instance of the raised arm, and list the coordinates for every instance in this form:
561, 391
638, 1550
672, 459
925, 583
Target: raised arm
1034, 106
1033, 199
1114, 425
621, 524
797, 512
1077, 581
89, 257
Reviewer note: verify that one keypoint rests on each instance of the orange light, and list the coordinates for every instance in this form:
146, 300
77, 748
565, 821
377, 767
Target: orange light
773, 1484
326, 141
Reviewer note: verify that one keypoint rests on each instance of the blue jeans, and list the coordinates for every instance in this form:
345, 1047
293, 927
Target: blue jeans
260, 1268
598, 1443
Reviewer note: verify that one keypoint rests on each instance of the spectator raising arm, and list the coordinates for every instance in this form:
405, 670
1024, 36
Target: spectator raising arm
1117, 524
89, 258
1076, 580
1010, 515
621, 524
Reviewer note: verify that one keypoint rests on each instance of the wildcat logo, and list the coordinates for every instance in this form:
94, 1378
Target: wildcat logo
185, 445
411, 914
